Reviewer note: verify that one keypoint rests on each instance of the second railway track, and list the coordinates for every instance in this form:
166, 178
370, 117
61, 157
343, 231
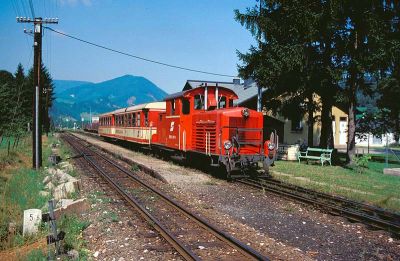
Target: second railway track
192, 236
374, 217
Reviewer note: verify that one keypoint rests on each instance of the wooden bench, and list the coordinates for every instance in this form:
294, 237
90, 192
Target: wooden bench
322, 155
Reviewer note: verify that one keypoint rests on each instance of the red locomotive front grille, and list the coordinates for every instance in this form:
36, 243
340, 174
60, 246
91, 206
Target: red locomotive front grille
204, 133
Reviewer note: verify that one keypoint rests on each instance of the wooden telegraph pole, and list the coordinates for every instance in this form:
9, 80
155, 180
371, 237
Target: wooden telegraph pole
37, 61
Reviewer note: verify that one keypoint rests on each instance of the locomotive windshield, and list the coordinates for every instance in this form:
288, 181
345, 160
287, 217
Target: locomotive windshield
199, 102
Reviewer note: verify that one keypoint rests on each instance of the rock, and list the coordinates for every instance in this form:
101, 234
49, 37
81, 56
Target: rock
44, 193
32, 218
46, 180
200, 247
49, 186
96, 254
75, 207
64, 202
63, 190
392, 171
12, 228
73, 254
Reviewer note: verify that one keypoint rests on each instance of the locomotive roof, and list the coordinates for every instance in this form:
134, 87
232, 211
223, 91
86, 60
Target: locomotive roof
150, 105
182, 93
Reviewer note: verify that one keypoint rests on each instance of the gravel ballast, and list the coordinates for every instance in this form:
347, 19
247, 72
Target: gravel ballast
279, 228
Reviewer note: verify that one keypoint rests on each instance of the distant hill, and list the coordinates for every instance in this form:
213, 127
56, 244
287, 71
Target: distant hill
76, 100
63, 85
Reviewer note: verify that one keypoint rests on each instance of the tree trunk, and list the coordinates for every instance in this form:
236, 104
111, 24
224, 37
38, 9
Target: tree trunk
8, 147
351, 128
396, 131
326, 139
310, 138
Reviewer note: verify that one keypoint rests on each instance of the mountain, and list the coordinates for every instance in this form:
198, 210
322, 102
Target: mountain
77, 100
63, 85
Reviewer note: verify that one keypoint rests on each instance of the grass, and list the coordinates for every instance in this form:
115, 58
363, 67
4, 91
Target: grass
369, 185
19, 190
73, 227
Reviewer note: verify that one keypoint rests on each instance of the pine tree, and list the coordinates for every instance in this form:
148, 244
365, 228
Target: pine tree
47, 97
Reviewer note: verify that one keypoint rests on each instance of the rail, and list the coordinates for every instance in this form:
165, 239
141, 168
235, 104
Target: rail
245, 250
374, 217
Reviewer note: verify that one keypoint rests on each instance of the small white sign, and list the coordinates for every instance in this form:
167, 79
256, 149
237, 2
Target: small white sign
32, 218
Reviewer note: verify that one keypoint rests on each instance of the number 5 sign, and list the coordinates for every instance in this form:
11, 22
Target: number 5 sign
32, 219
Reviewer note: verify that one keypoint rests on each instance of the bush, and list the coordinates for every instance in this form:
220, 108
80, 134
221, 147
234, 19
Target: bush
361, 162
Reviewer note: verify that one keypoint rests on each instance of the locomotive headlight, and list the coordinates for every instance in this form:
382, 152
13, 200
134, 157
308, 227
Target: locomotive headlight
271, 146
227, 145
246, 113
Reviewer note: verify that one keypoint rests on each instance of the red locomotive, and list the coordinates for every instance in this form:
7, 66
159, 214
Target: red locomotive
200, 122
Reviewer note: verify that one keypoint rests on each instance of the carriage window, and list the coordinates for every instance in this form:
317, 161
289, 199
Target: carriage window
185, 106
138, 119
173, 107
128, 124
133, 119
198, 102
222, 102
146, 118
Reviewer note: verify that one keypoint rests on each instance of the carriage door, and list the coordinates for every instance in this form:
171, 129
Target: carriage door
343, 130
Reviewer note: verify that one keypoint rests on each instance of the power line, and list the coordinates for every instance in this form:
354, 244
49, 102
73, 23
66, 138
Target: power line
31, 7
138, 57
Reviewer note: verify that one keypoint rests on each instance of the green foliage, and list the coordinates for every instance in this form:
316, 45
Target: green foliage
36, 255
73, 227
310, 46
361, 162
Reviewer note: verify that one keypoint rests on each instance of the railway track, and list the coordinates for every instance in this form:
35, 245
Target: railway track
192, 236
373, 217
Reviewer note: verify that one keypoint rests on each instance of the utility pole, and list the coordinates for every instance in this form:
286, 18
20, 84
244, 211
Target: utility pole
37, 62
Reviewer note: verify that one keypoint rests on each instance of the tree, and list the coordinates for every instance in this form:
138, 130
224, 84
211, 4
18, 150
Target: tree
47, 96
362, 43
294, 59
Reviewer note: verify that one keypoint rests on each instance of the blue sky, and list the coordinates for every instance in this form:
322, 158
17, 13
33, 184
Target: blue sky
201, 35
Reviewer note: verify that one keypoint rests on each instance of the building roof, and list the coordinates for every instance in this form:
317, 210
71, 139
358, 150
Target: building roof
244, 91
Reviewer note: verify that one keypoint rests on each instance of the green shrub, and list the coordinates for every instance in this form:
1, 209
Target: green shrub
73, 228
361, 162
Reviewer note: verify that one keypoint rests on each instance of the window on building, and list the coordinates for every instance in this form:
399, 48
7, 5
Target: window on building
199, 102
296, 125
222, 102
185, 106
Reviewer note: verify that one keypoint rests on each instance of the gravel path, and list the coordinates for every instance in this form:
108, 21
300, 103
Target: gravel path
278, 227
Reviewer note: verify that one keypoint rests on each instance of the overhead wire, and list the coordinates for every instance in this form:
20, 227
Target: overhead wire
32, 9
138, 57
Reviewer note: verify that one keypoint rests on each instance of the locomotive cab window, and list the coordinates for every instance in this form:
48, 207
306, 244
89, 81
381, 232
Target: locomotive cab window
172, 106
230, 103
185, 106
222, 102
198, 102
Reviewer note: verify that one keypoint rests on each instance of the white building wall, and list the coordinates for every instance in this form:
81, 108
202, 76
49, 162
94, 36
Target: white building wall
376, 141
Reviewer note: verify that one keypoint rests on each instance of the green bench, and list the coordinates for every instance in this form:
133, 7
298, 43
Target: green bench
322, 155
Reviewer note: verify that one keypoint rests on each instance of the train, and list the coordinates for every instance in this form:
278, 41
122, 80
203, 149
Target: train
201, 123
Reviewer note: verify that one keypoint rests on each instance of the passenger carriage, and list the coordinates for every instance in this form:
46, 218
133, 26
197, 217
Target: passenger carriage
136, 123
